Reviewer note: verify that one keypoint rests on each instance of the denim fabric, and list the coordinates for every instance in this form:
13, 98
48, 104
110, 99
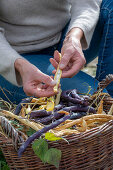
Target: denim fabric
101, 45
81, 81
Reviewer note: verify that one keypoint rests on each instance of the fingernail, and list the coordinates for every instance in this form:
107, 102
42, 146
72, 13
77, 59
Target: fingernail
53, 83
62, 66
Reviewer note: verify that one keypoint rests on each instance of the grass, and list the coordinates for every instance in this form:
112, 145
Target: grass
91, 68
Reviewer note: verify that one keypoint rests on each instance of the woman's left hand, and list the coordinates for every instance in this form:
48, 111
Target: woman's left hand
73, 58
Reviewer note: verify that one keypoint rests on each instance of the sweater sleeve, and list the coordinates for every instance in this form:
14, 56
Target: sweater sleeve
7, 58
84, 15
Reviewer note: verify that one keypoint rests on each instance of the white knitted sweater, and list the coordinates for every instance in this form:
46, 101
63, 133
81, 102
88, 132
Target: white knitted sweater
32, 25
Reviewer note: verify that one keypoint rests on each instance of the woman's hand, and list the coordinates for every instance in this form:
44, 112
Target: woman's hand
35, 83
73, 58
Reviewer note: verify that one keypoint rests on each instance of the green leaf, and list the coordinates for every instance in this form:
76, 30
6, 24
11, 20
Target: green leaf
14, 122
40, 147
2, 159
51, 137
2, 163
30, 132
53, 157
5, 167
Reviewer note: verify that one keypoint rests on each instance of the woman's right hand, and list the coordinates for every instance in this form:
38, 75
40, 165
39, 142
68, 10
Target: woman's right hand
35, 83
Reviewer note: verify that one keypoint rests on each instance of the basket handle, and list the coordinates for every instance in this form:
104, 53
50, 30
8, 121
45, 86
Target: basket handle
8, 130
105, 82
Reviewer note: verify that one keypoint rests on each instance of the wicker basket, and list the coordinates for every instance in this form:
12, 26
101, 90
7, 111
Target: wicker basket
91, 150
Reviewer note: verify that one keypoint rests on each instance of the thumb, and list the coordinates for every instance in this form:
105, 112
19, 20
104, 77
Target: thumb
46, 79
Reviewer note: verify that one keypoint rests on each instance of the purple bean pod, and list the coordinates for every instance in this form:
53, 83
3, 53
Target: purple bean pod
39, 113
48, 119
57, 115
77, 115
77, 100
40, 132
66, 93
71, 104
19, 106
80, 108
74, 94
83, 113
58, 107
85, 97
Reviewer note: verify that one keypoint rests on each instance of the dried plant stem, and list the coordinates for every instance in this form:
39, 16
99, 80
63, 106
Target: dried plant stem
65, 132
26, 122
6, 95
80, 121
111, 110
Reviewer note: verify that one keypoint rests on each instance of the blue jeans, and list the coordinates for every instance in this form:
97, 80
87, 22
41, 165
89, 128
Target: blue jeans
101, 46
102, 43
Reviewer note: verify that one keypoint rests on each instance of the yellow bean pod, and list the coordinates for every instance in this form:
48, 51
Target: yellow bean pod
50, 104
57, 76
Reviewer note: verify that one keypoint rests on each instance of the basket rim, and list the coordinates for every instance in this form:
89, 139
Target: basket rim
70, 138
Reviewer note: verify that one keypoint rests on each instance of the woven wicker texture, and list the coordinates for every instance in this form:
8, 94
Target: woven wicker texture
90, 150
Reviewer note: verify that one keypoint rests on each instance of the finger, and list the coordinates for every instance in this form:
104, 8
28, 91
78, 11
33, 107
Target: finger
65, 59
44, 92
45, 79
45, 86
52, 77
56, 56
30, 89
39, 91
73, 70
54, 63
54, 71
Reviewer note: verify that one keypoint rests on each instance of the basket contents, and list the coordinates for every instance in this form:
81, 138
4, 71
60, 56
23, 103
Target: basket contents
74, 114
38, 120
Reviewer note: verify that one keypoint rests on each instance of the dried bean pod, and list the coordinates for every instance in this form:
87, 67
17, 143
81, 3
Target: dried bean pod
19, 106
83, 113
39, 113
58, 107
71, 104
80, 108
48, 119
85, 97
76, 115
68, 98
40, 132
74, 94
